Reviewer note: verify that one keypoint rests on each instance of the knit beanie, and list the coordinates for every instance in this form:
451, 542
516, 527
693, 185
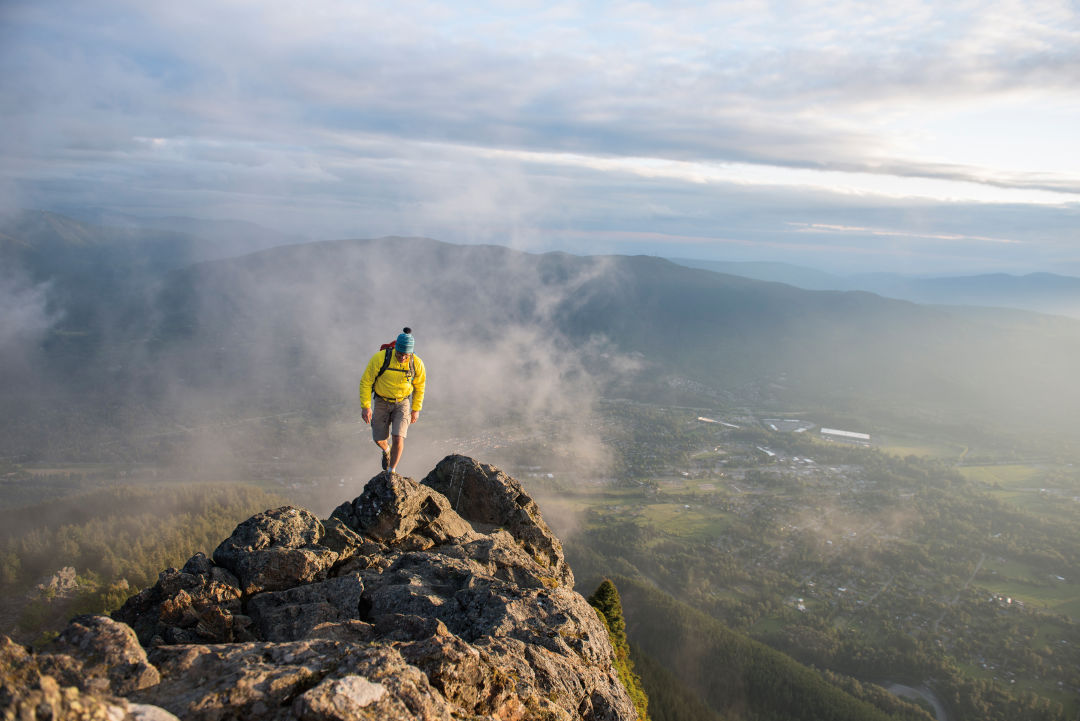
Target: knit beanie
405, 342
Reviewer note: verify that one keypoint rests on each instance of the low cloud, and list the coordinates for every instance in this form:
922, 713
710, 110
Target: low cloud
25, 319
232, 363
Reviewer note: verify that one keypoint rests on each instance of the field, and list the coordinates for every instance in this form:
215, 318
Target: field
1005, 476
1046, 593
683, 520
910, 447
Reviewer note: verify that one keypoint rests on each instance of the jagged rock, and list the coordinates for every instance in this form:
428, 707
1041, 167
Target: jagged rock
483, 494
452, 666
291, 680
199, 564
341, 698
345, 542
275, 550
291, 615
399, 511
107, 653
28, 692
397, 607
63, 583
201, 604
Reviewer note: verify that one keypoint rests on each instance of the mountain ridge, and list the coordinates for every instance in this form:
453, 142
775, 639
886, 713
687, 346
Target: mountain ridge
280, 329
395, 607
1040, 292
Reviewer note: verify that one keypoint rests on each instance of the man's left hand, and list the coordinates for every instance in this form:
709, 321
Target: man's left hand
414, 417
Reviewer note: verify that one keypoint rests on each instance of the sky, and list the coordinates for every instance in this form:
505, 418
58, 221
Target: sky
914, 136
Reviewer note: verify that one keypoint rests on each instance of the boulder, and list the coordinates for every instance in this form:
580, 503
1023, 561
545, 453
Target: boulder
344, 699
483, 494
200, 604
292, 615
108, 655
29, 691
275, 550
296, 680
399, 511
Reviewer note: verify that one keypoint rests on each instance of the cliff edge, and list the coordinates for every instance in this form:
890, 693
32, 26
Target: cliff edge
444, 599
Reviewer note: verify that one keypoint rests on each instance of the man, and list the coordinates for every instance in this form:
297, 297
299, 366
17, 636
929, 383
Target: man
394, 376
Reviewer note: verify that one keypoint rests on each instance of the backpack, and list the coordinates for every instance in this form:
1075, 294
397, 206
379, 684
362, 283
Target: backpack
388, 353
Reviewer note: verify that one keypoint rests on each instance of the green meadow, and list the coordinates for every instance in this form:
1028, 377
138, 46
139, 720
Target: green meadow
1008, 476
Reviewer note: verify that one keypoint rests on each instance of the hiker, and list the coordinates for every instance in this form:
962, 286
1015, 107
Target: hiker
393, 375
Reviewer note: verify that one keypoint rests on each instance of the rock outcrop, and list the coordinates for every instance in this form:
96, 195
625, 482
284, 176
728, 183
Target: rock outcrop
446, 599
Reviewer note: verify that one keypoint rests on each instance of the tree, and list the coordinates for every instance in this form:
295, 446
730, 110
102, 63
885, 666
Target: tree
608, 606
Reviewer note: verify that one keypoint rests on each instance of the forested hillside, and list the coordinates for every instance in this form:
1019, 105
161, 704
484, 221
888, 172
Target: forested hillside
116, 539
737, 676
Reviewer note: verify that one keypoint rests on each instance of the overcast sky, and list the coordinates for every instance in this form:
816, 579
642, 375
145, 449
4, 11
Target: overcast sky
923, 137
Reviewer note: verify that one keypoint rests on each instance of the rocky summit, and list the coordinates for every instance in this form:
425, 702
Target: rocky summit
444, 599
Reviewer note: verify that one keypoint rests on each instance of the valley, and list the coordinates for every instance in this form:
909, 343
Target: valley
856, 560
955, 577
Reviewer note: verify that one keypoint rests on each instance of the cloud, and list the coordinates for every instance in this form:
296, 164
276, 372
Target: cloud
25, 319
237, 353
424, 117
826, 228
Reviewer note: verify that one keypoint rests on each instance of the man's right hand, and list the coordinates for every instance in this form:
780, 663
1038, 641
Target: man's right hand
366, 415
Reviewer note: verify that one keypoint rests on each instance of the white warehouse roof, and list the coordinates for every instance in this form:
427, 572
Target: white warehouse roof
846, 434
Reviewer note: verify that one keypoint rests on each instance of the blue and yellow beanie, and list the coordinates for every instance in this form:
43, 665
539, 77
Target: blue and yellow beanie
405, 341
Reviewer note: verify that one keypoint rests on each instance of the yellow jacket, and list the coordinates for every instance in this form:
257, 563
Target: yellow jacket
393, 384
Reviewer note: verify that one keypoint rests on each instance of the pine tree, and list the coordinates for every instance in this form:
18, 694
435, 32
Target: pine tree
608, 606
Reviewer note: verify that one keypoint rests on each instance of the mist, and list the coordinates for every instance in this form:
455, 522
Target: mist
249, 367
505, 383
25, 319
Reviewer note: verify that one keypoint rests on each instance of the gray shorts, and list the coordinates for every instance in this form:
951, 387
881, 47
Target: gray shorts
387, 418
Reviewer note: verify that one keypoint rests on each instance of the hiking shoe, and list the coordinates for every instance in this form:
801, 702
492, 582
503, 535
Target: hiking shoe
385, 458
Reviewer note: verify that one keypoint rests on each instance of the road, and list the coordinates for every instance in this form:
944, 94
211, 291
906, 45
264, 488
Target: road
920, 693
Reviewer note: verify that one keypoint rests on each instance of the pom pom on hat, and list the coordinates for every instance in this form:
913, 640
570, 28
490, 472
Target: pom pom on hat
405, 341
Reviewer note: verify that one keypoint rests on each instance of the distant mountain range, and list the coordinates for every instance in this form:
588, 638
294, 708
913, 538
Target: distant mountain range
218, 238
48, 245
291, 327
1040, 292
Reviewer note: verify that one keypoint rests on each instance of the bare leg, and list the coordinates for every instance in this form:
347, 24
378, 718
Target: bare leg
395, 452
384, 446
